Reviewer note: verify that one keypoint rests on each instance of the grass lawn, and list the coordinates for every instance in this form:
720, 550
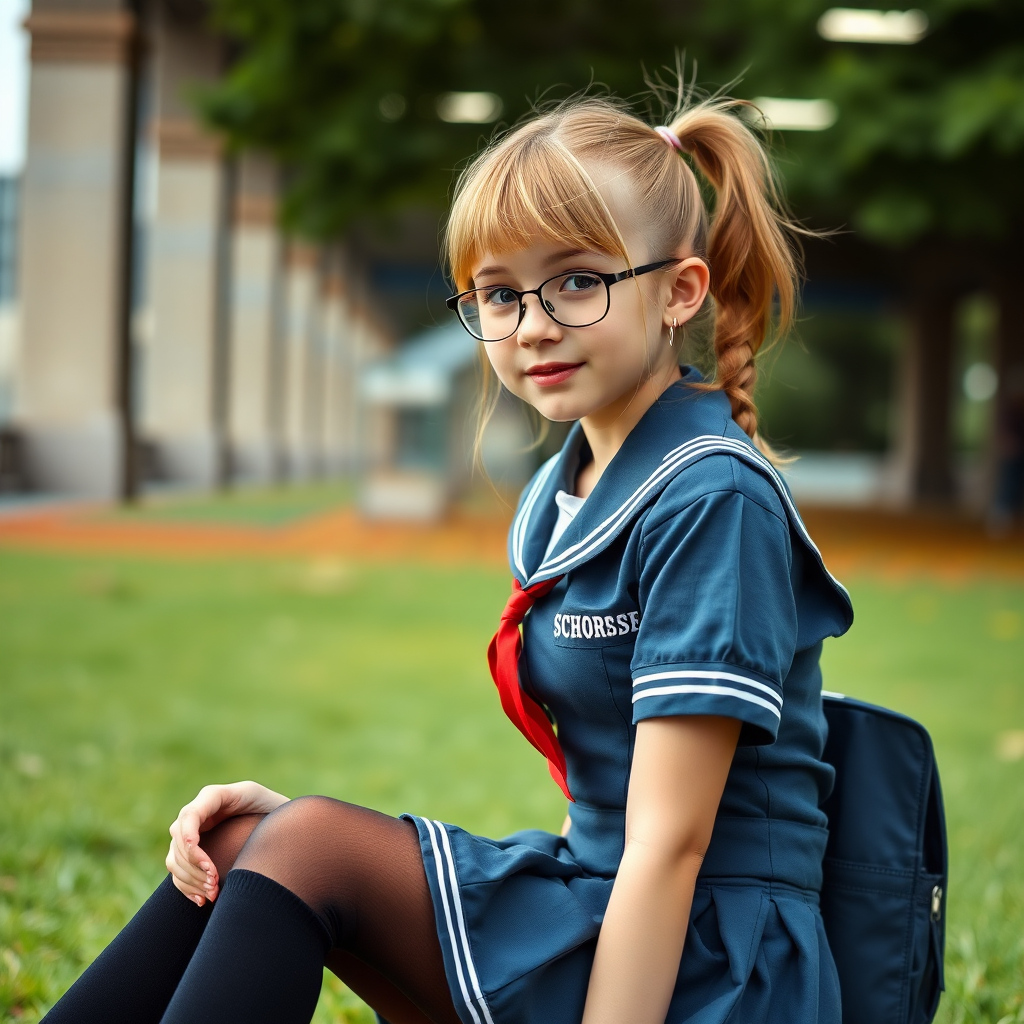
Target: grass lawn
127, 684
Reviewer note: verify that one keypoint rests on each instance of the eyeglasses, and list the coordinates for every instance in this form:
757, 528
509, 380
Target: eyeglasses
579, 298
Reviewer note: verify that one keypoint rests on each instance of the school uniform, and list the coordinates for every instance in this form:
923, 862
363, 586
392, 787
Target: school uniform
687, 585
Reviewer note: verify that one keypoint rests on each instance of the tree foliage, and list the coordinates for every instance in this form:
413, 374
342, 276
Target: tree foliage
315, 81
929, 141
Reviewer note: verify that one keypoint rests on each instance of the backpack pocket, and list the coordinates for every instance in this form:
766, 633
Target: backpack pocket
883, 937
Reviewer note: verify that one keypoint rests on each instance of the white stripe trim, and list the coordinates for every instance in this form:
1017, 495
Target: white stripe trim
694, 440
523, 519
716, 691
462, 924
705, 674
674, 460
578, 551
833, 694
448, 920
698, 447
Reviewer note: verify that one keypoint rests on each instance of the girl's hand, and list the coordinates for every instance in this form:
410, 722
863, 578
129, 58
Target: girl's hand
192, 871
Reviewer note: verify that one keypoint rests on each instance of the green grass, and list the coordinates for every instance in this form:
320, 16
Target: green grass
126, 684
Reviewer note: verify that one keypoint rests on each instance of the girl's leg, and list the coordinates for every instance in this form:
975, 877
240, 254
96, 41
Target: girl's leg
318, 874
133, 979
390, 1002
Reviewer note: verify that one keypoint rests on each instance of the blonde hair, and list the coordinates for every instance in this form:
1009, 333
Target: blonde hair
534, 182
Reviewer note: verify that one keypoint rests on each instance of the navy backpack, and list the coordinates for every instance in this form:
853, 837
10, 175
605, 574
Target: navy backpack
883, 898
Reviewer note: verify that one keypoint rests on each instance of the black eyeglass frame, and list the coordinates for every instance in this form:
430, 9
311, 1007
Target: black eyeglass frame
452, 302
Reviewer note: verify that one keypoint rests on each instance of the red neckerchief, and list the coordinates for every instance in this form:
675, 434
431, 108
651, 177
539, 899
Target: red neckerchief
503, 657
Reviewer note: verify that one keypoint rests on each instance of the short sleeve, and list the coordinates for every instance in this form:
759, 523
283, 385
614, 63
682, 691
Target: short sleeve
718, 622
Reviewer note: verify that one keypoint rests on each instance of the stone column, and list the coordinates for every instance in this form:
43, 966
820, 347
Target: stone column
254, 404
73, 375
187, 263
300, 375
335, 338
371, 442
357, 338
354, 428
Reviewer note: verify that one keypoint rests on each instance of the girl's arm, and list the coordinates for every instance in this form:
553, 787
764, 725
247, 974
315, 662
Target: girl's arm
679, 769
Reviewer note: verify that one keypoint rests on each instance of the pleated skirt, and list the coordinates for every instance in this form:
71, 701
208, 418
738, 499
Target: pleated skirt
518, 920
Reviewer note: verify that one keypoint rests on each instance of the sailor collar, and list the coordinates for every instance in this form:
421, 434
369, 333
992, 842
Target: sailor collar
683, 426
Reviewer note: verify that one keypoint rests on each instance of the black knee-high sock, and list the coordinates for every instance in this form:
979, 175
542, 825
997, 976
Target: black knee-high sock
260, 960
133, 979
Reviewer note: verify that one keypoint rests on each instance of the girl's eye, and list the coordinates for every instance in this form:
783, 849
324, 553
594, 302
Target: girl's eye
499, 297
579, 283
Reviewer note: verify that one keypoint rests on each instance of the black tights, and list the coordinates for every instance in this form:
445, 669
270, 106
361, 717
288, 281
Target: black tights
365, 910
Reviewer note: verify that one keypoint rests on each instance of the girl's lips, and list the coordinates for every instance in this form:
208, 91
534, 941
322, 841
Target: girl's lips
552, 373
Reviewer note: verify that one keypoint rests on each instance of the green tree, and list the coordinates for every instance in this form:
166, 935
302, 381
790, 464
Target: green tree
344, 92
923, 165
929, 138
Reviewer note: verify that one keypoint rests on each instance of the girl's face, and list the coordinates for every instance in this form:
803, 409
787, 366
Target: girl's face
588, 373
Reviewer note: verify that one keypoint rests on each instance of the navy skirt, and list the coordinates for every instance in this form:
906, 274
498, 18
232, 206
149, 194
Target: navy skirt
518, 920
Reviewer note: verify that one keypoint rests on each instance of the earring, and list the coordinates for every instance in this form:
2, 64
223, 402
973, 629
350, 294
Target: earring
672, 331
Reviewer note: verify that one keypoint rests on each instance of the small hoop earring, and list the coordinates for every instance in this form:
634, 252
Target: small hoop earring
672, 331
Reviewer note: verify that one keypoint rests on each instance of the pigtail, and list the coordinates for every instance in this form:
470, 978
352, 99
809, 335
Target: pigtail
749, 247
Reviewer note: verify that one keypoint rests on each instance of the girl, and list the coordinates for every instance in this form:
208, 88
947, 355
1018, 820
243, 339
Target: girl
671, 608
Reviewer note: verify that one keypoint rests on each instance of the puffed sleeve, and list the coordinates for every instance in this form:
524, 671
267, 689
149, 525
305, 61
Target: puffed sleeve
718, 624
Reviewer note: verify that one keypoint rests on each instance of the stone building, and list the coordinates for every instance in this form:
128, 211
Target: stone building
167, 329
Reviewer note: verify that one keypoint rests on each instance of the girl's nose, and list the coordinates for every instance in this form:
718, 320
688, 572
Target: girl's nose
536, 326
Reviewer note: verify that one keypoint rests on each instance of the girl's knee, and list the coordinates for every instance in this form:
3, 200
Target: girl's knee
304, 812
224, 842
301, 824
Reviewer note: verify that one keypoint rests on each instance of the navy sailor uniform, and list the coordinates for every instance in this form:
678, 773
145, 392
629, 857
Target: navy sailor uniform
690, 587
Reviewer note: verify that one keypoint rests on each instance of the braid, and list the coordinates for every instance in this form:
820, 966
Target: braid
751, 258
736, 373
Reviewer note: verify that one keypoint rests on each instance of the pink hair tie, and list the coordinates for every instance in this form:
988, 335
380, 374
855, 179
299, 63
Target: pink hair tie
670, 137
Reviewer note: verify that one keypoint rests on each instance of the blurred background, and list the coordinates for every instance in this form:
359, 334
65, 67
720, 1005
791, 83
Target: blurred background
219, 234
239, 529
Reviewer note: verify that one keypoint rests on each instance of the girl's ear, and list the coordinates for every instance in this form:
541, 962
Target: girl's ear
688, 287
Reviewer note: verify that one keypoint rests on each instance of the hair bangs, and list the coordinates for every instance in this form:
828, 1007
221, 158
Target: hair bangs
523, 190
